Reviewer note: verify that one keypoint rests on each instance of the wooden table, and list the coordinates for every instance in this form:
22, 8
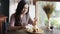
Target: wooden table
2, 19
55, 31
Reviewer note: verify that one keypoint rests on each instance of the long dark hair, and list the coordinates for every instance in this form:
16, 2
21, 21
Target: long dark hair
18, 12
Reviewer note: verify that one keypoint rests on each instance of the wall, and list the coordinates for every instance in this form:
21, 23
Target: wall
4, 8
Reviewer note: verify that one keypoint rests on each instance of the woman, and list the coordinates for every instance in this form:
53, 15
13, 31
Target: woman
21, 17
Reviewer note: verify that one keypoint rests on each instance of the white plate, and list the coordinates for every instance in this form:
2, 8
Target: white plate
40, 31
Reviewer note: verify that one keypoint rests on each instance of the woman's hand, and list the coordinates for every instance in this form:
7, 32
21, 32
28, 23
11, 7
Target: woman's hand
34, 22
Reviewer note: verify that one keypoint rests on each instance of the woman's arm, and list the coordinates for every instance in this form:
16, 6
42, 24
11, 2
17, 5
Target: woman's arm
33, 22
16, 27
30, 21
12, 22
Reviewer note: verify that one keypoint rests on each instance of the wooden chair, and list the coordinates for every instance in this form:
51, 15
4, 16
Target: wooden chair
2, 20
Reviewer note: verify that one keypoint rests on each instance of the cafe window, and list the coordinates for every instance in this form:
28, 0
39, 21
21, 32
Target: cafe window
55, 15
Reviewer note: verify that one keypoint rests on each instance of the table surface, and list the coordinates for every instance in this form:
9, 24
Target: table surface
55, 31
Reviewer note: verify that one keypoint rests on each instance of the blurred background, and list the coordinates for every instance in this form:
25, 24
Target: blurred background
54, 18
4, 8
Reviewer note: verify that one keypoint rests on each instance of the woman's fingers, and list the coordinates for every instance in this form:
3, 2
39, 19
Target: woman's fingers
35, 19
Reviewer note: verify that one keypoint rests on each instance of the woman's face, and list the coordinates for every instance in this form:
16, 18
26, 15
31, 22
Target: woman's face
25, 9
